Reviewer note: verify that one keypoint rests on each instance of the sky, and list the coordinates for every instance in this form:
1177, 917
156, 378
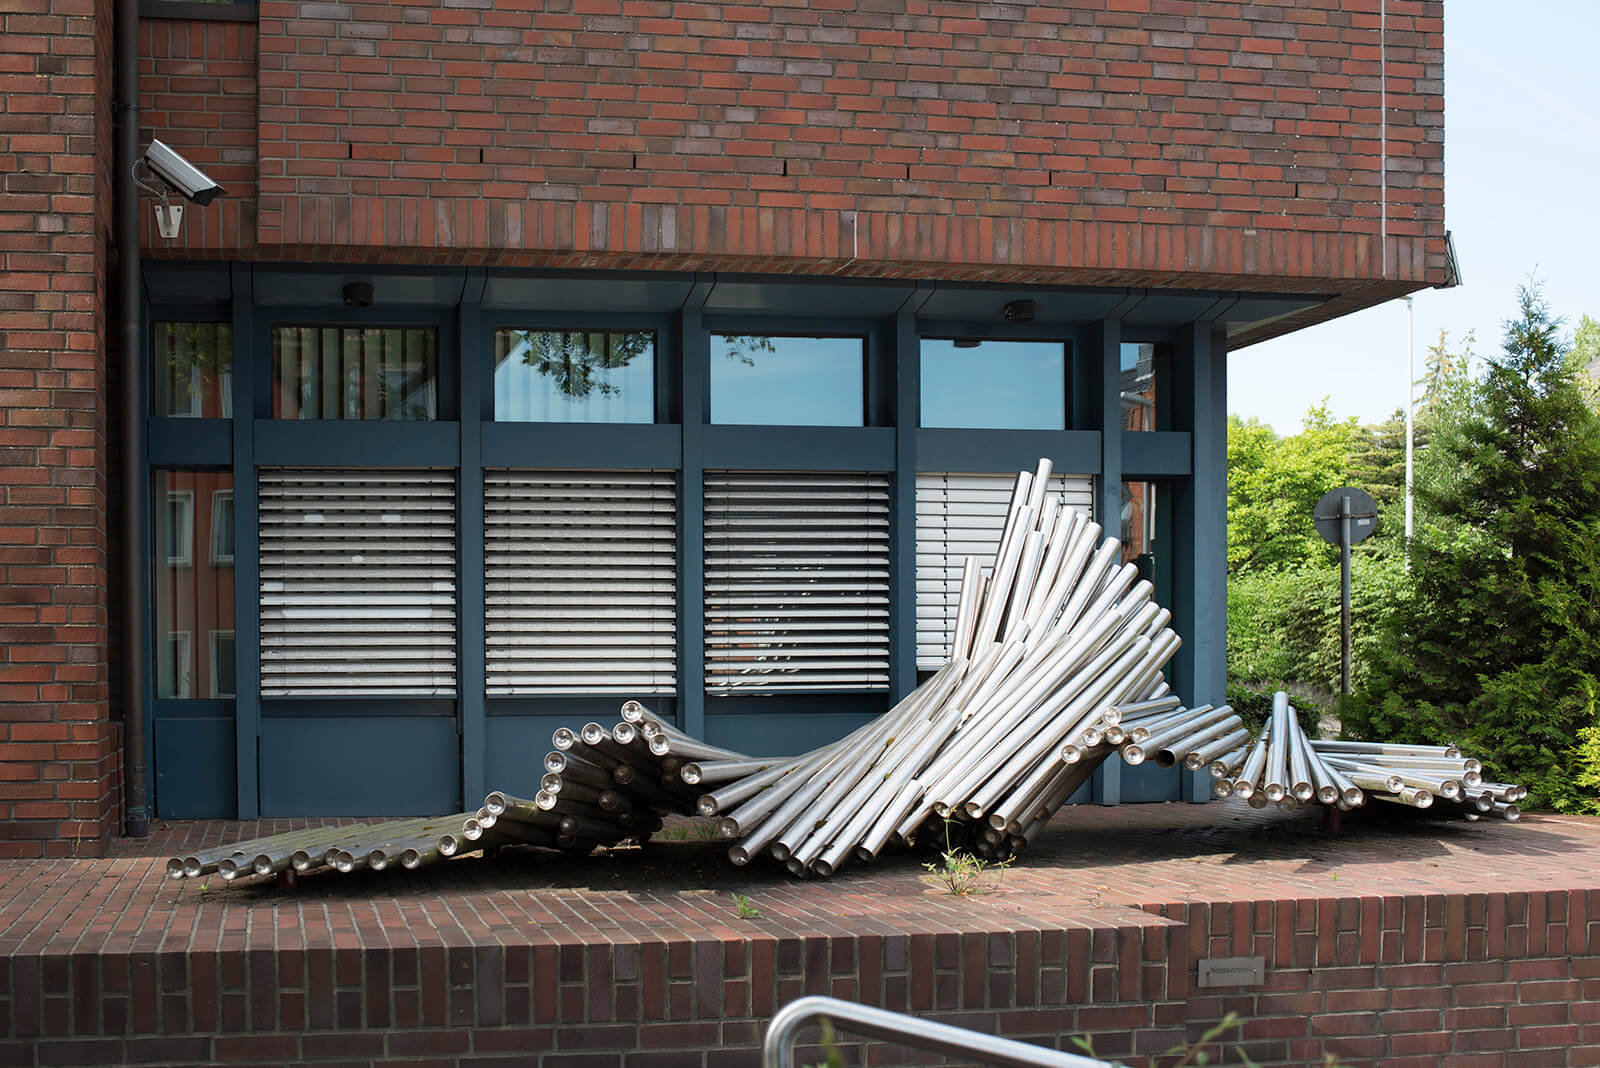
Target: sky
1522, 165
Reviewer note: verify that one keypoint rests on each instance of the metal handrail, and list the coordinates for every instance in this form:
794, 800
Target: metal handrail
777, 1049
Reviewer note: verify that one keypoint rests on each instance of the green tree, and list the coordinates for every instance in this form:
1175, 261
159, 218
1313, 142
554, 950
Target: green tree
1273, 483
1497, 641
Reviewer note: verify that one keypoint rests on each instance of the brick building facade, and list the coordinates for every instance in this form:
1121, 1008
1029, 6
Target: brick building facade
1190, 175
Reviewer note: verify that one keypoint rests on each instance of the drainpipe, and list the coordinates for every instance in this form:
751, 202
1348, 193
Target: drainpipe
130, 303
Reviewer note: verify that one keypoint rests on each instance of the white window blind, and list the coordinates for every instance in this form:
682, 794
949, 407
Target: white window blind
962, 515
358, 583
581, 582
797, 582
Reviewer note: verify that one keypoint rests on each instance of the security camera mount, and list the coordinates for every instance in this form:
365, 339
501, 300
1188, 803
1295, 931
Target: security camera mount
169, 216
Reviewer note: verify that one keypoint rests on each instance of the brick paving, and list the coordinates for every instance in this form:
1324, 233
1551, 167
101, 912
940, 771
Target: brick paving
1091, 865
1098, 928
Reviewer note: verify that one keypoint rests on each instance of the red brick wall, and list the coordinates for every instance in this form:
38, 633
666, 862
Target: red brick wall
59, 788
197, 92
1508, 980
1190, 143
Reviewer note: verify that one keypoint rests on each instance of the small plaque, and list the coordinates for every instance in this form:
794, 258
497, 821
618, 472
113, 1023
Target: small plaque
1233, 971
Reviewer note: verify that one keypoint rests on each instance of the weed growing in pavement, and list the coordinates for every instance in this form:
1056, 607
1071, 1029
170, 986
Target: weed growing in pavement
743, 909
961, 873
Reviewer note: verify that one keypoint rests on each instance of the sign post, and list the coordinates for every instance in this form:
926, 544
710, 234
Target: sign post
1345, 516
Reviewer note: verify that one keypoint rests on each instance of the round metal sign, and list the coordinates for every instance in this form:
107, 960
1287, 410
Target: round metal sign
1329, 513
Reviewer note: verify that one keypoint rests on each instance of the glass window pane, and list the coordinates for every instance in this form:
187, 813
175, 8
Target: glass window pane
193, 370
1000, 385
788, 381
193, 590
1139, 386
574, 376
338, 372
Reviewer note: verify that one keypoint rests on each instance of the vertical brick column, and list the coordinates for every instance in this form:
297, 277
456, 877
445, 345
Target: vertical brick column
59, 750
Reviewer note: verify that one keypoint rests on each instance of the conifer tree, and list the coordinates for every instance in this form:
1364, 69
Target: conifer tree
1497, 645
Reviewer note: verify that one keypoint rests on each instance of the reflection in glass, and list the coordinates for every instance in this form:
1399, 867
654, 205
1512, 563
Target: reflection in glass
1138, 386
194, 591
193, 370
574, 376
998, 385
1138, 524
788, 381
335, 372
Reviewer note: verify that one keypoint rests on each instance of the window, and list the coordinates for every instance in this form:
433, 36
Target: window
358, 583
962, 515
193, 370
1141, 371
581, 582
1138, 529
176, 527
759, 380
173, 676
193, 595
999, 385
574, 376
337, 372
796, 582
222, 527
222, 663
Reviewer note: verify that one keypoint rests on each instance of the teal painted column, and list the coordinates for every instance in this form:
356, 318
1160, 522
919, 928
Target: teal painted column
1105, 378
903, 506
251, 358
1200, 527
694, 351
470, 640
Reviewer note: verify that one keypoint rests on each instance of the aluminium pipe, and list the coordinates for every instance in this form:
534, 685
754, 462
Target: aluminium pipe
1300, 783
1224, 732
1015, 617
568, 790
714, 771
1248, 779
1011, 707
1327, 789
571, 766
1393, 748
1056, 549
1195, 723
805, 822
1202, 757
1074, 561
998, 594
873, 806
1274, 784
1134, 710
205, 861
1043, 736
980, 760
971, 592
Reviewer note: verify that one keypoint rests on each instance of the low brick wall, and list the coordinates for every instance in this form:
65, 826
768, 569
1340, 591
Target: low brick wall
1377, 948
1458, 980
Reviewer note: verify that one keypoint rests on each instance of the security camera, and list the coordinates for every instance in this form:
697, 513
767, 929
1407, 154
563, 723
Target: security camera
177, 175
183, 177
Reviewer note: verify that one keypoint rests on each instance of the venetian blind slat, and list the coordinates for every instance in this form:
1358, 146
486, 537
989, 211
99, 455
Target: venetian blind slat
358, 583
581, 582
796, 582
961, 515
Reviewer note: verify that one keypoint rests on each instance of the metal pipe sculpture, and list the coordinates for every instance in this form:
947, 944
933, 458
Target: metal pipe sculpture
1056, 664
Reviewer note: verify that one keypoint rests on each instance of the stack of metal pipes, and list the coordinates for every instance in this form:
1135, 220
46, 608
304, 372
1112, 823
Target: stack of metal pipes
1047, 647
1285, 768
600, 787
1056, 663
